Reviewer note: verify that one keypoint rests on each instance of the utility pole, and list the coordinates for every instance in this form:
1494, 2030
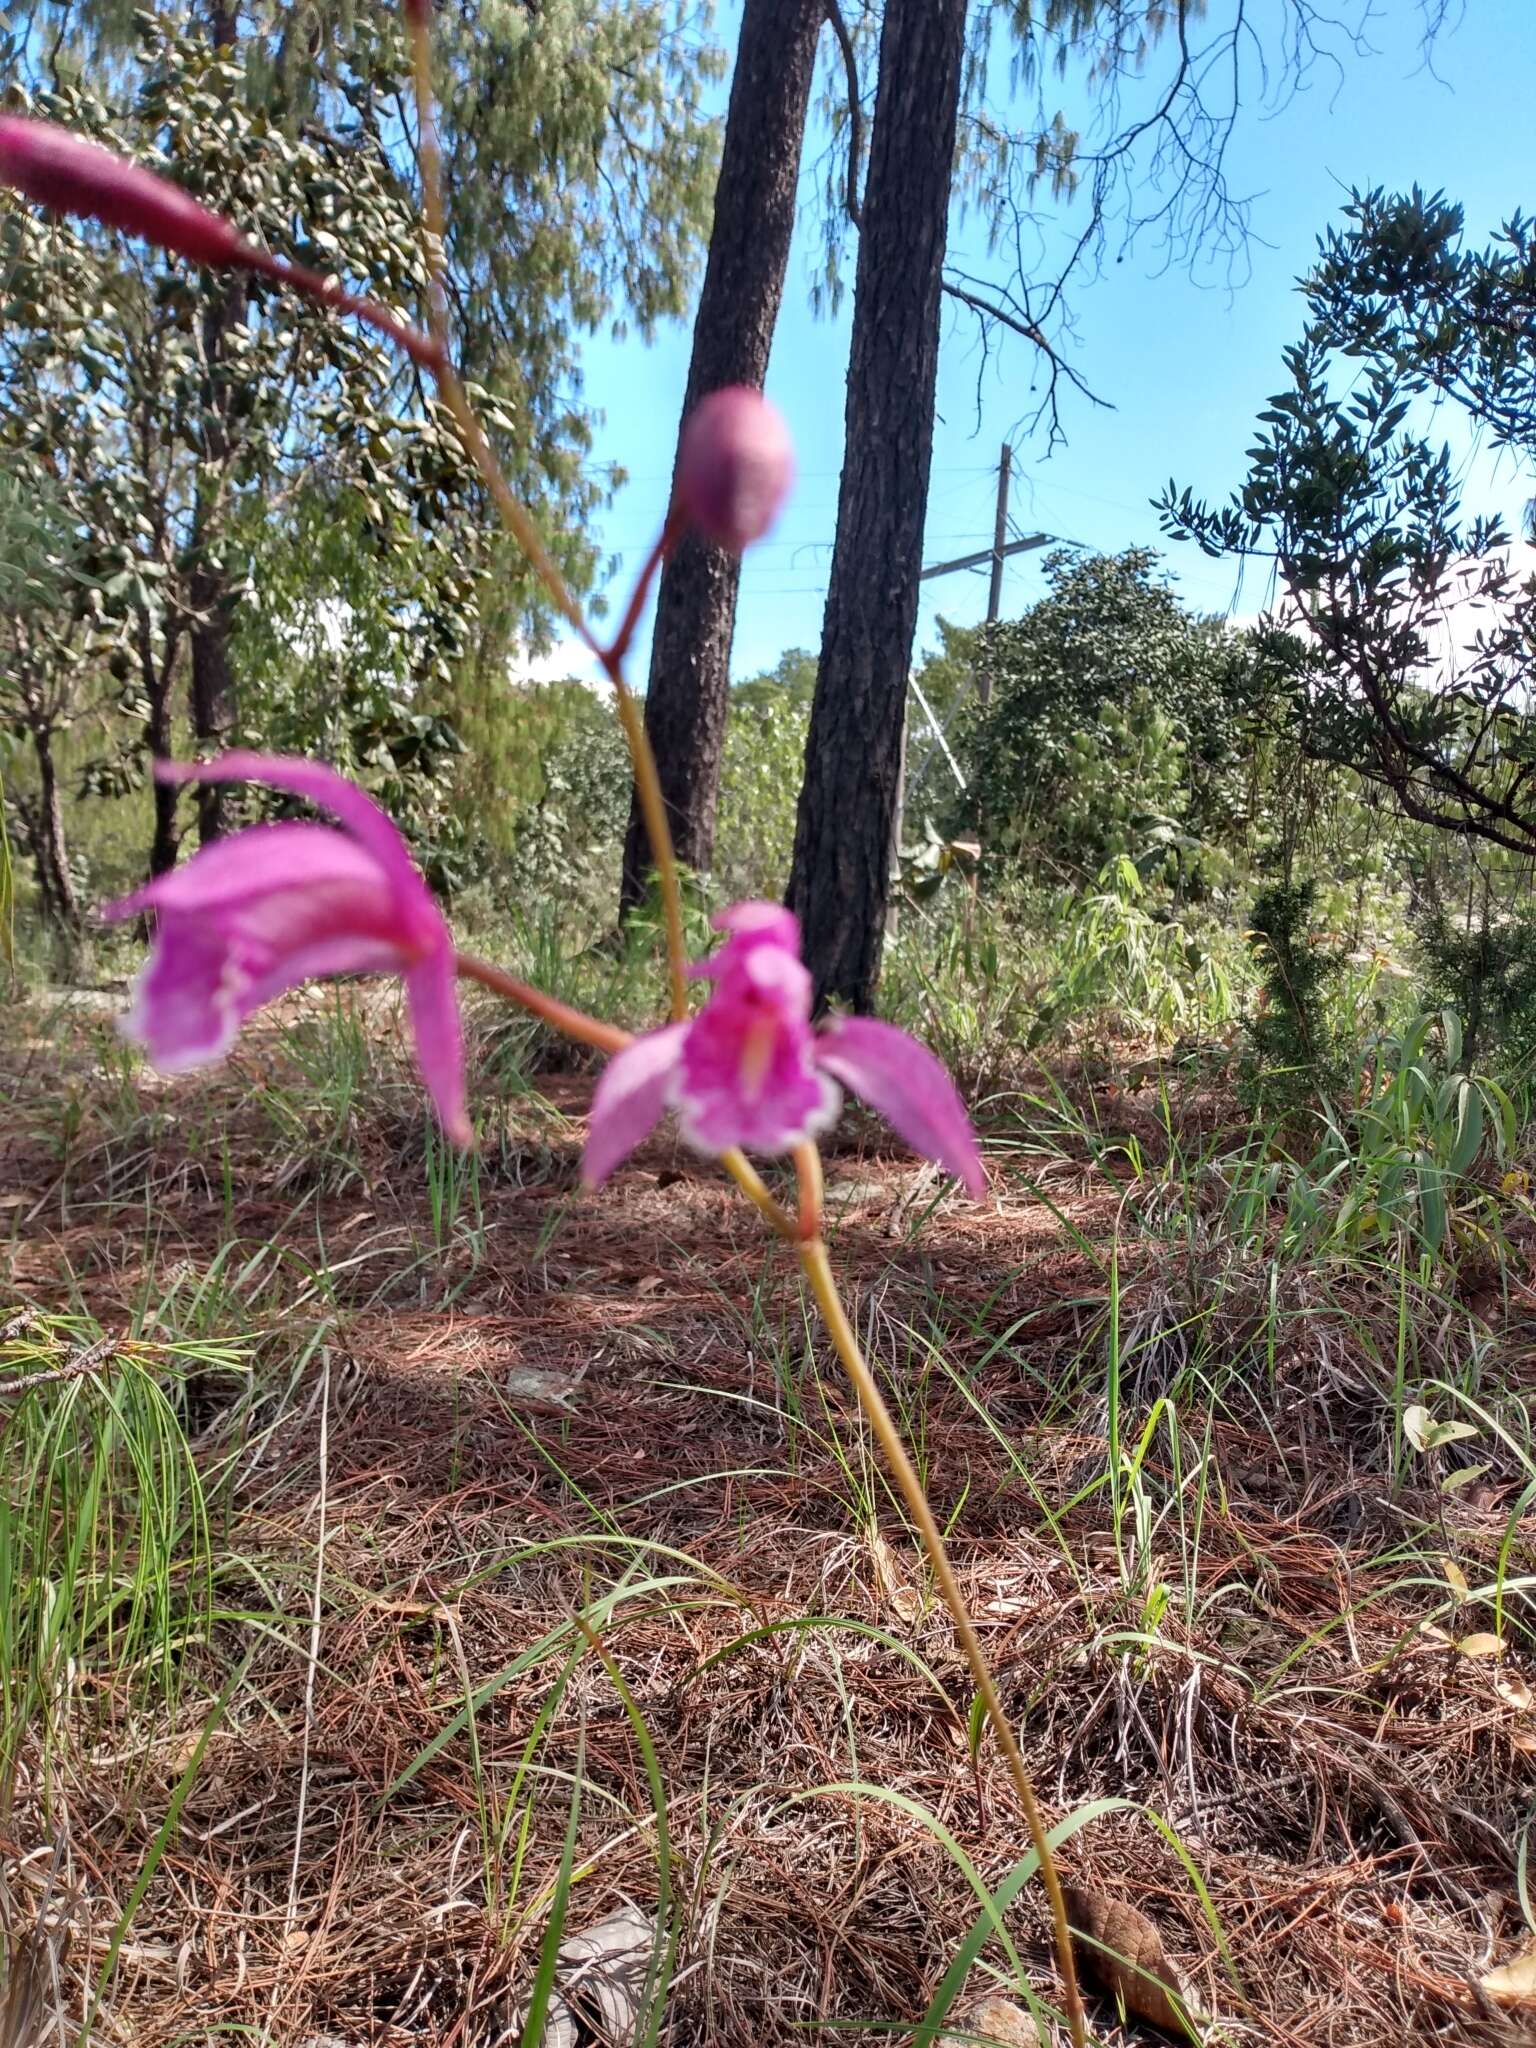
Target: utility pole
999, 532
995, 587
1001, 550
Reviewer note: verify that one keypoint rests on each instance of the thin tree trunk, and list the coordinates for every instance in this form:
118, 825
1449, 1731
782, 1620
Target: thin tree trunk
212, 604
840, 874
211, 681
212, 689
157, 680
52, 847
687, 696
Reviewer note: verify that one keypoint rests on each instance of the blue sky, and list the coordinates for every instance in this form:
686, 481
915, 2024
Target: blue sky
1186, 361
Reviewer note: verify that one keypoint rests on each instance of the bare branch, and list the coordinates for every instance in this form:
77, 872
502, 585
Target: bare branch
839, 29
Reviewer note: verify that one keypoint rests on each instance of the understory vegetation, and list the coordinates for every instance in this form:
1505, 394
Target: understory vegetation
404, 1568
444, 1601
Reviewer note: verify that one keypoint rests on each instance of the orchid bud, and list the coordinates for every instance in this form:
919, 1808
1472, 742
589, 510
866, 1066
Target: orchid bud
734, 467
70, 175
56, 169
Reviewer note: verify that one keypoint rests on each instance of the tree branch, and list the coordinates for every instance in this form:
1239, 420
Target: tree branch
839, 29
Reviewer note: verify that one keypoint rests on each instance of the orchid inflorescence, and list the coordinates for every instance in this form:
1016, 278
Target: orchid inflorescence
255, 915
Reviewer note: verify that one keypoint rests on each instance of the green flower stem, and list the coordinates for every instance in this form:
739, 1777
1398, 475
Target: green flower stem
818, 1272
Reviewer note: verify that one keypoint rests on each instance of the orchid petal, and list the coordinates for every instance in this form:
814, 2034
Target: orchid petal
187, 1007
254, 863
630, 1099
371, 826
770, 922
266, 909
904, 1082
434, 1010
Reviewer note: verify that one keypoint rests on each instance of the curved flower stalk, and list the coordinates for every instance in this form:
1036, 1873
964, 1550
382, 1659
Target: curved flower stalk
254, 915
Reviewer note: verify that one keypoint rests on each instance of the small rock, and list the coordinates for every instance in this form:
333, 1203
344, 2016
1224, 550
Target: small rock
995, 2023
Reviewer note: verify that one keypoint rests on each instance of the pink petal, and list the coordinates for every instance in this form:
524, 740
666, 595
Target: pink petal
770, 922
630, 1099
910, 1089
187, 1000
373, 829
255, 863
252, 916
751, 928
433, 1003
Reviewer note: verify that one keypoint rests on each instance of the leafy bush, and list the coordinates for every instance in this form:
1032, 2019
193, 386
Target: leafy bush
1291, 1056
566, 841
1115, 728
1487, 968
760, 778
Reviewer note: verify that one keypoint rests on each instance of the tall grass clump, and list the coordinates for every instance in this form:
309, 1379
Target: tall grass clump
105, 1564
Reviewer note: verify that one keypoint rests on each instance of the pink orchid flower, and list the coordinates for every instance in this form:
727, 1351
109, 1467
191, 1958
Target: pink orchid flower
750, 1071
254, 915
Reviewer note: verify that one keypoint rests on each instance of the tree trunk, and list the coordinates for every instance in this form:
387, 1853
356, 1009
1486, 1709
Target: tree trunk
157, 679
211, 683
212, 688
840, 874
52, 852
686, 700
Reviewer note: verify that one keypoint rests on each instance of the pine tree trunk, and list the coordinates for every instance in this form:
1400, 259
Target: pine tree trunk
840, 875
209, 595
686, 700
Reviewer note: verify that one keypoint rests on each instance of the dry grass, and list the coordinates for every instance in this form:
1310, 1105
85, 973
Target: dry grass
460, 1436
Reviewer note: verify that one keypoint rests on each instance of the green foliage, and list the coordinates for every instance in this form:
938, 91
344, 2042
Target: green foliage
104, 1565
1401, 1165
1117, 955
1361, 510
345, 646
1484, 965
1115, 728
226, 449
1291, 1056
760, 777
242, 464
564, 841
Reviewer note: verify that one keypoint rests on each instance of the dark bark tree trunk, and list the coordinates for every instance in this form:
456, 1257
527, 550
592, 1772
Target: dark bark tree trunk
211, 680
840, 874
686, 699
51, 851
157, 680
212, 688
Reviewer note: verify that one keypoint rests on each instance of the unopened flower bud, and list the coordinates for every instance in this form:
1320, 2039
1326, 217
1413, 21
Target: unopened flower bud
70, 175
734, 467
62, 171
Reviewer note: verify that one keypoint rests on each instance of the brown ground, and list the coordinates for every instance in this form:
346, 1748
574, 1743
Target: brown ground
618, 1404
